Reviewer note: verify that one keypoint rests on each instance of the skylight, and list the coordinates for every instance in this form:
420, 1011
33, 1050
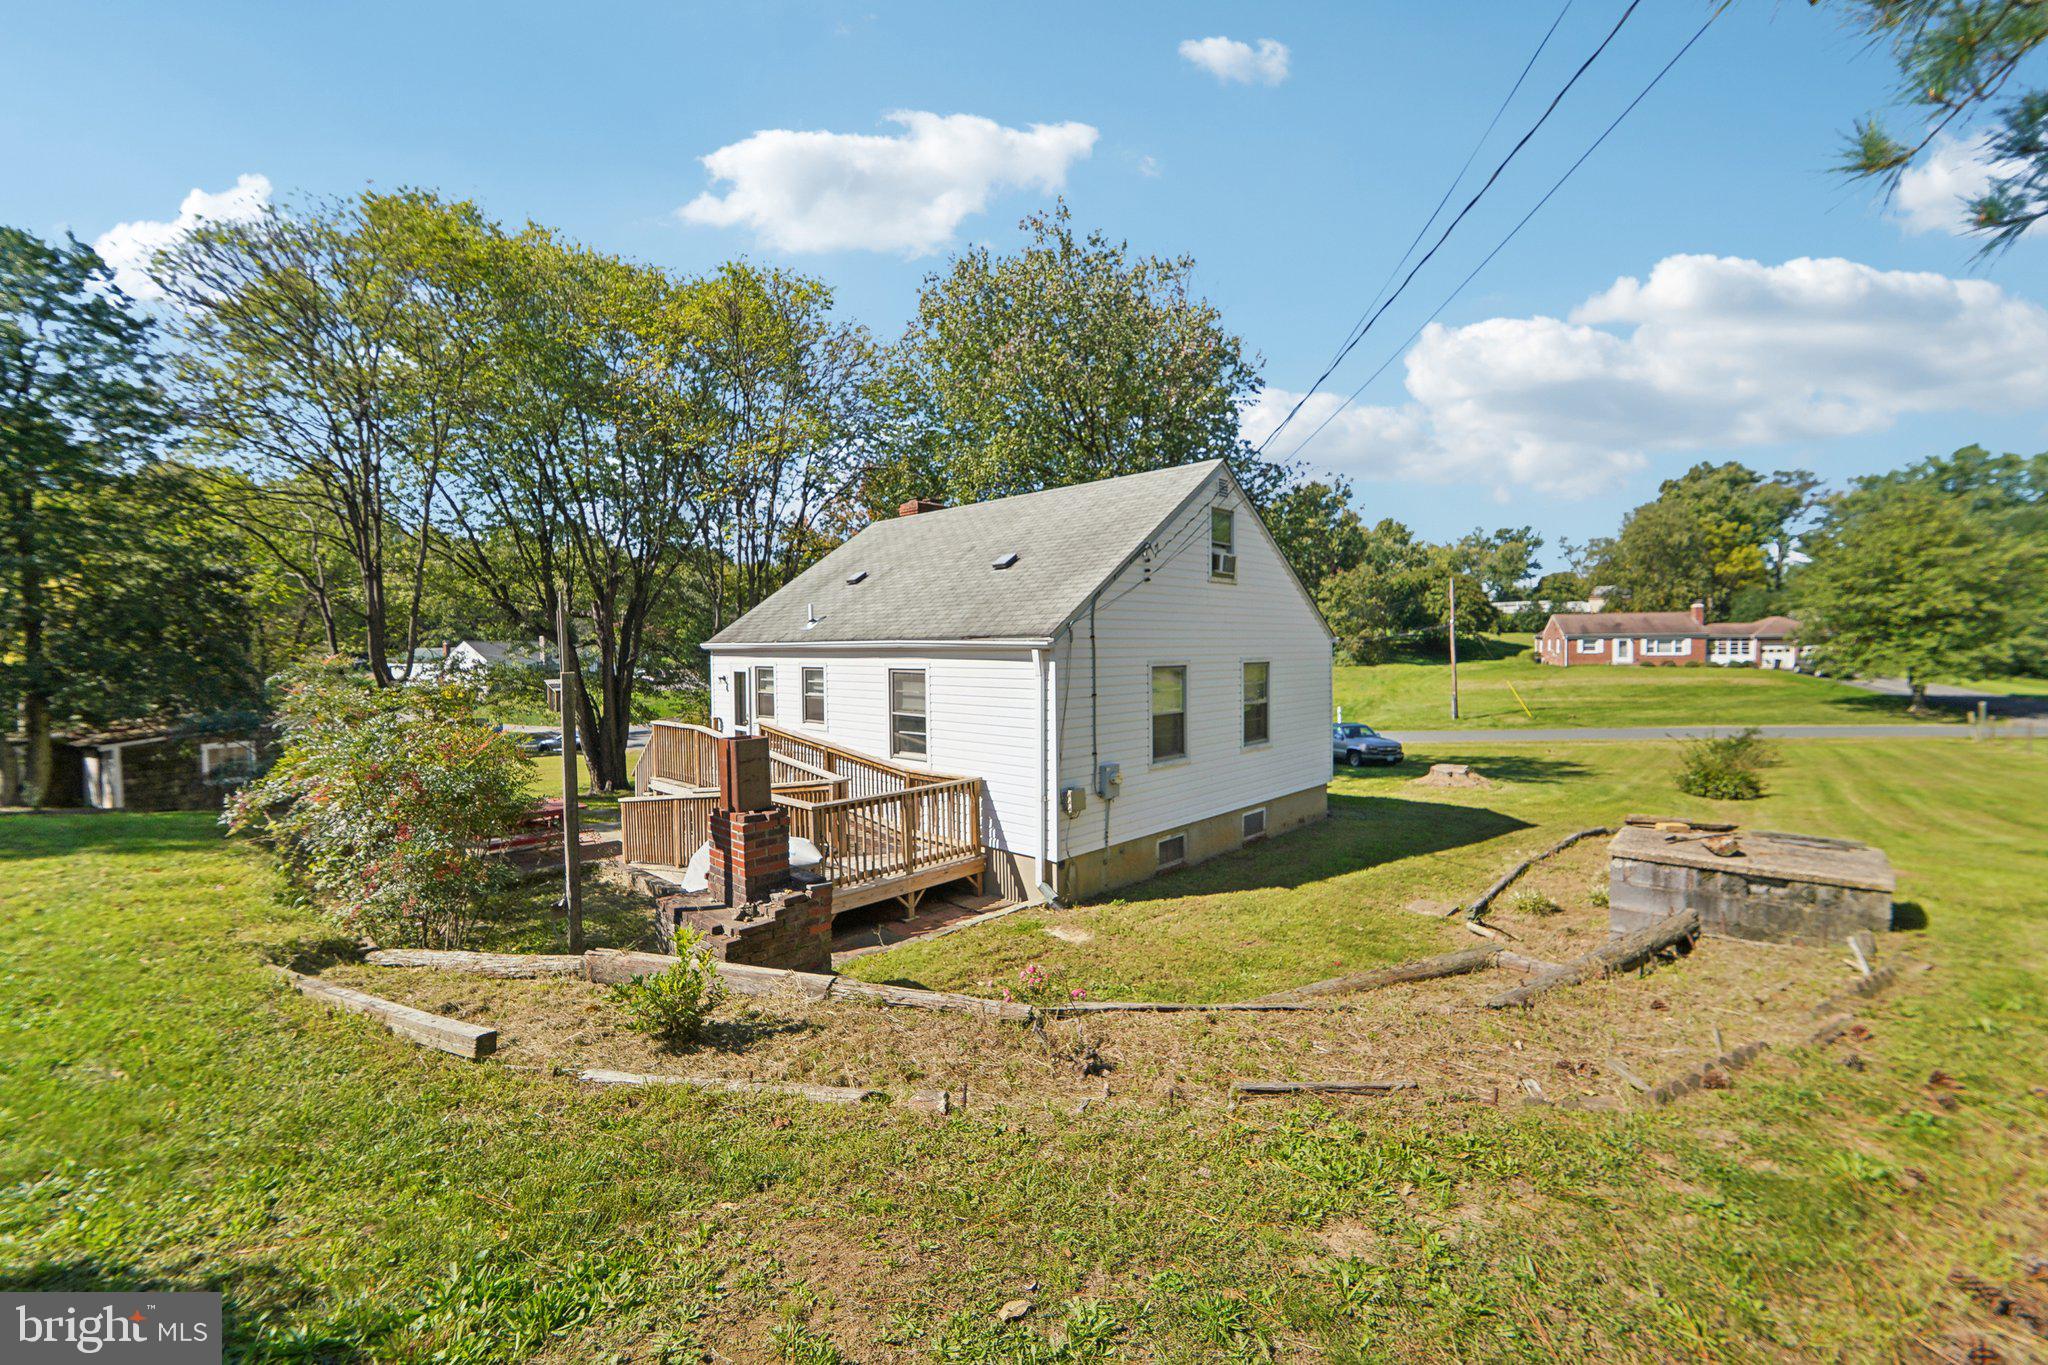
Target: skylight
1004, 561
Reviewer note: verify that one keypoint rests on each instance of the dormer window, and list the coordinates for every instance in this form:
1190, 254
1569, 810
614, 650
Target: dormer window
1223, 544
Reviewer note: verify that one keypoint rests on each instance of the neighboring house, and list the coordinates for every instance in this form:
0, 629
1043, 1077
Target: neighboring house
433, 662
150, 766
1130, 666
1571, 640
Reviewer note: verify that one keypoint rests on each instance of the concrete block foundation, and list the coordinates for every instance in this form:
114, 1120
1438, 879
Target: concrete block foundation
1784, 888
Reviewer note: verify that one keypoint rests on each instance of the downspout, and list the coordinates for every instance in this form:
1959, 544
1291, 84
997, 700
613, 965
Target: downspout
1044, 833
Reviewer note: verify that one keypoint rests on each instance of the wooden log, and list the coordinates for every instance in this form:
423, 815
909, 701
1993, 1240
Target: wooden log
1172, 1007
1616, 956
1521, 962
1712, 826
510, 965
912, 998
429, 1030
1319, 1087
610, 966
745, 979
1863, 949
823, 1094
1687, 1082
1507, 879
1420, 969
1614, 1065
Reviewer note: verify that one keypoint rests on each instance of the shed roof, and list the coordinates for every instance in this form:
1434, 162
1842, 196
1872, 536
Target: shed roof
932, 576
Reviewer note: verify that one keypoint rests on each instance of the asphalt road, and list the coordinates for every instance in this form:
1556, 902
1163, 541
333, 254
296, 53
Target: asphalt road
1555, 736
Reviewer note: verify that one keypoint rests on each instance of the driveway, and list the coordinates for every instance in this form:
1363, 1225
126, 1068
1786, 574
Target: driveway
1559, 736
1956, 698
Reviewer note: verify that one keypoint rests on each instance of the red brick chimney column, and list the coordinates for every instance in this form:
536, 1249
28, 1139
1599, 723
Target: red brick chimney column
1699, 613
749, 854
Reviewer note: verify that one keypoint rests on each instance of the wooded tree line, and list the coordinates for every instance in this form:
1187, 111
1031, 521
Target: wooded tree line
369, 424
359, 426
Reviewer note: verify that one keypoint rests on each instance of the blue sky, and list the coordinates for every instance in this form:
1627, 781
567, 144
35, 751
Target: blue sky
1556, 394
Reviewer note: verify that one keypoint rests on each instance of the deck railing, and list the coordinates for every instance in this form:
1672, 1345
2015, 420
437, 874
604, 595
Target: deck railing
892, 835
678, 751
866, 776
664, 831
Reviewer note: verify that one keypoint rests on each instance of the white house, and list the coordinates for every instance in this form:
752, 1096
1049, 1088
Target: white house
432, 662
1130, 666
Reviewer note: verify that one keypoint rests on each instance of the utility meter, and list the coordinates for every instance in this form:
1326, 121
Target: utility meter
1108, 778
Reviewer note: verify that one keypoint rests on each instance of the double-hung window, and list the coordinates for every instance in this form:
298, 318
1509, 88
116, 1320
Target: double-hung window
764, 692
907, 735
814, 696
1584, 645
1667, 648
1222, 544
1258, 703
1169, 712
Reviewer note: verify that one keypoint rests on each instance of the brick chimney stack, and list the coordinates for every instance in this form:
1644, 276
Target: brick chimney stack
749, 832
916, 505
1699, 613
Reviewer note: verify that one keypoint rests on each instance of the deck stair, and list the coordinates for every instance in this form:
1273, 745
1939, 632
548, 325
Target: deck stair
886, 832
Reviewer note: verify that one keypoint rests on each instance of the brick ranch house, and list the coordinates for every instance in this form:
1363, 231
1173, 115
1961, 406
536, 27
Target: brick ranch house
1667, 637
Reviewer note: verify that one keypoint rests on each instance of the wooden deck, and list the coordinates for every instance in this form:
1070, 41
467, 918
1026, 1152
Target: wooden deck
886, 832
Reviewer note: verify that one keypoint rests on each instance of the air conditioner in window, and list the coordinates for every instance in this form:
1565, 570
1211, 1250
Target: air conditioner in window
1222, 564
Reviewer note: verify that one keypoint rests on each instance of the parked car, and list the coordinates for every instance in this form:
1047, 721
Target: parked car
1359, 745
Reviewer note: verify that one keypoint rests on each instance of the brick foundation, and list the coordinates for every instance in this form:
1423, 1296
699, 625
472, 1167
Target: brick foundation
789, 928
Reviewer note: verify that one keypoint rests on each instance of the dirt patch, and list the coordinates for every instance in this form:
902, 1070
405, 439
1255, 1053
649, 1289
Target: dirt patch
1451, 775
1580, 1045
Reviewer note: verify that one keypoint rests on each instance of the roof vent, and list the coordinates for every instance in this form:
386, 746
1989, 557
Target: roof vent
1004, 561
811, 616
854, 578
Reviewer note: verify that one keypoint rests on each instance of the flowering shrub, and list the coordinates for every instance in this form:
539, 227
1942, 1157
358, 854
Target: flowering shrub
380, 801
671, 1005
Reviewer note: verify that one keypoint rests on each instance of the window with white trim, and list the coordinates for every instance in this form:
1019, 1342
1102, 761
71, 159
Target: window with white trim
233, 758
1253, 825
764, 692
1732, 649
1223, 544
1587, 645
1258, 703
1169, 712
907, 734
814, 696
1662, 648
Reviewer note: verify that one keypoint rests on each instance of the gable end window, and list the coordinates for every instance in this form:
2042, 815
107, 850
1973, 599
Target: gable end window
1258, 720
764, 692
814, 696
1223, 544
1169, 712
907, 736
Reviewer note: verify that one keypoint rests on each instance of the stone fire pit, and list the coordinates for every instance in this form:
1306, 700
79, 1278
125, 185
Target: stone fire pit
1780, 888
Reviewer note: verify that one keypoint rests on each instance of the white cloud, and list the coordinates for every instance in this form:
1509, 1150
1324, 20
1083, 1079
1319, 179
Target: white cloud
856, 191
1934, 192
1710, 353
129, 247
1229, 60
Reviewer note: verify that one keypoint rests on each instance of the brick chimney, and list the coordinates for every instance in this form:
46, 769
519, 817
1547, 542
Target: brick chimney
916, 505
749, 832
1699, 613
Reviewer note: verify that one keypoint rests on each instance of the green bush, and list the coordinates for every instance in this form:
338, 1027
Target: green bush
381, 801
1729, 768
671, 1006
1533, 902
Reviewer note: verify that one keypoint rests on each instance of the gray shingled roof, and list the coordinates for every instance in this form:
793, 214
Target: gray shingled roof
929, 576
1628, 623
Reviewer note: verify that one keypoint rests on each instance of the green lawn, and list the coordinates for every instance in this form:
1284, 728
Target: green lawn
1417, 695
169, 1118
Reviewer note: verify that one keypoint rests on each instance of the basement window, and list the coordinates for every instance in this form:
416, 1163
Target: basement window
1173, 850
1253, 825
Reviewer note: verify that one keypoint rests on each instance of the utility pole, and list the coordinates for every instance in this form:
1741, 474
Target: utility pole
572, 829
1454, 645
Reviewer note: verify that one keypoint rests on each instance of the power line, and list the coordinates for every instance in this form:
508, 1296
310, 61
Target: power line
1480, 193
1400, 350
1449, 190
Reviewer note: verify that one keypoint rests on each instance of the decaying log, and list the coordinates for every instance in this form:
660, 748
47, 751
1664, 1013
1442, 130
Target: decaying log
823, 1094
1521, 962
744, 979
1486, 897
429, 1030
512, 965
912, 998
1617, 955
1712, 826
1170, 1007
1421, 969
610, 966
1319, 1087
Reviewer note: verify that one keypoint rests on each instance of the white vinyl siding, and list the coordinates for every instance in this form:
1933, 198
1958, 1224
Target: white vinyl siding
1166, 609
980, 719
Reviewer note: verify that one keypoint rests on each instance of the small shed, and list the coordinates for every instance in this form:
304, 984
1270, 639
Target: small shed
161, 766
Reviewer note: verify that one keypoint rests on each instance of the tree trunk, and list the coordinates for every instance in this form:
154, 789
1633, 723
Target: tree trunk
10, 769
35, 695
